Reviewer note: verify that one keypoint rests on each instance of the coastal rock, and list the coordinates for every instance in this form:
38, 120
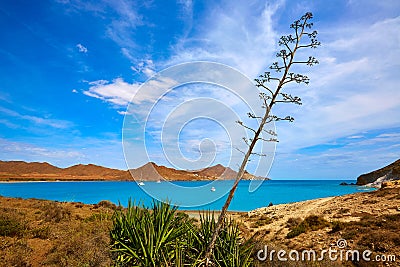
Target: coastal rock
344, 183
377, 177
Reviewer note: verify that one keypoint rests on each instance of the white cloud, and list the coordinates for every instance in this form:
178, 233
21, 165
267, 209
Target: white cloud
389, 135
146, 67
352, 157
117, 92
82, 48
355, 90
121, 29
355, 137
241, 36
238, 34
17, 150
9, 124
66, 151
122, 112
385, 138
121, 93
54, 123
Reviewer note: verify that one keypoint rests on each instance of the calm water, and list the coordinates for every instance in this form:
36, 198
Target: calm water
179, 193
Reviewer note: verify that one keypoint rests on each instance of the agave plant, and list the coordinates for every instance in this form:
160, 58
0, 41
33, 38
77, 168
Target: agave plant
230, 249
161, 236
147, 237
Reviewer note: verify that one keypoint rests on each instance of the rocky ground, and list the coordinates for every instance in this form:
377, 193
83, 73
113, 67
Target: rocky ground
369, 220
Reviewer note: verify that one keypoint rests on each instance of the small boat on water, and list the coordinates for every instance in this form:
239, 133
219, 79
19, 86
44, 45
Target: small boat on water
141, 183
212, 189
158, 182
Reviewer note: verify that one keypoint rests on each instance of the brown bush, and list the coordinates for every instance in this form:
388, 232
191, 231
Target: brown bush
106, 204
312, 222
55, 212
85, 244
11, 227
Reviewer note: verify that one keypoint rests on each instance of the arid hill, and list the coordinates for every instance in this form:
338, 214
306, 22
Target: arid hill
390, 172
217, 171
154, 172
33, 171
93, 170
361, 221
21, 167
43, 171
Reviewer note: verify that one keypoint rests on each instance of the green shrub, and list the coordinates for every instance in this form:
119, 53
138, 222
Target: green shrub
293, 222
81, 244
311, 222
260, 221
146, 238
299, 229
106, 204
41, 232
54, 212
350, 234
230, 248
342, 210
11, 227
98, 217
315, 222
393, 217
337, 226
160, 236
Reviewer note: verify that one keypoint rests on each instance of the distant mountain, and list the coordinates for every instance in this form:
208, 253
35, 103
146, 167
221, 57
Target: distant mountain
94, 170
154, 172
387, 173
22, 167
218, 171
24, 171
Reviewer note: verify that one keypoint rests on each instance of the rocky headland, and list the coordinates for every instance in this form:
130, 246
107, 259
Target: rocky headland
381, 176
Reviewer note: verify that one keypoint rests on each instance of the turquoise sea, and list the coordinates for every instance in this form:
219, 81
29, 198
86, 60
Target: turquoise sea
181, 193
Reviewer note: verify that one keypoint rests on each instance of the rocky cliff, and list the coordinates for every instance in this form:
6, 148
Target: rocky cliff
387, 173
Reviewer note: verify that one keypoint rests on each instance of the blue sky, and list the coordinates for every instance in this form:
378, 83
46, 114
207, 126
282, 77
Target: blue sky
68, 69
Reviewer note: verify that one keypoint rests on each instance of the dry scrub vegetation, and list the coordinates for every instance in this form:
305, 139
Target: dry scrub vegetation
37, 232
365, 220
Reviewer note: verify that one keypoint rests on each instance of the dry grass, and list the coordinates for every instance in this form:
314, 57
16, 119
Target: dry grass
46, 233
